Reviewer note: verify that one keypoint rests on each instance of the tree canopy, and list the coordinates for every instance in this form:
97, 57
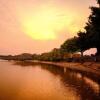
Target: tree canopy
90, 38
70, 45
98, 1
93, 28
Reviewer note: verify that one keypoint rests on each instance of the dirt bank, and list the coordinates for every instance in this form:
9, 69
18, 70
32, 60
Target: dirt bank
89, 67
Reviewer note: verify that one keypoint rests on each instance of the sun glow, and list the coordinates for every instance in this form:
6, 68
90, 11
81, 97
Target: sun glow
45, 24
40, 26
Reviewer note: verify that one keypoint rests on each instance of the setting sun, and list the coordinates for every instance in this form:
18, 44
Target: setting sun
46, 23
40, 26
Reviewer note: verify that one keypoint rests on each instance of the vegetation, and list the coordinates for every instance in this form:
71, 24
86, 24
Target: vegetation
90, 38
70, 45
93, 28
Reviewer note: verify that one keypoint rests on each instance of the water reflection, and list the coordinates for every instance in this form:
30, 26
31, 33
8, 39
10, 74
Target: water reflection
44, 82
79, 83
82, 84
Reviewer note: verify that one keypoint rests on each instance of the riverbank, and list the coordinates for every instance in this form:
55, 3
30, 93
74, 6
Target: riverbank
88, 68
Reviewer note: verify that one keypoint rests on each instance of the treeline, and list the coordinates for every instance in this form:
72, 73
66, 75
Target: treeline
89, 38
21, 57
54, 55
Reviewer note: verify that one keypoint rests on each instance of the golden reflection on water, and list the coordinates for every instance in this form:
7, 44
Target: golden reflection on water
93, 85
39, 82
31, 83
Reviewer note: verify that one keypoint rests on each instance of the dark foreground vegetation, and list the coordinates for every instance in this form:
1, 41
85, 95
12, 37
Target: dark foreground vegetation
69, 50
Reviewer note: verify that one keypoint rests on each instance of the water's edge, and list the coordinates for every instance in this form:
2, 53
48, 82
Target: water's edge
76, 67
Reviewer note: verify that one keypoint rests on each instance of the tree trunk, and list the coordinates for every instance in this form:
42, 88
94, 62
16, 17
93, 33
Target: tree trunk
81, 54
81, 59
98, 51
71, 55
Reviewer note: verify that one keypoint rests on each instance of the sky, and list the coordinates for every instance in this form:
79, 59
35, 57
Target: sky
36, 26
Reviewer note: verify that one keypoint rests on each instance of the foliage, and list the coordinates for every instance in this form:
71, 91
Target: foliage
70, 45
90, 38
93, 28
82, 41
98, 1
54, 55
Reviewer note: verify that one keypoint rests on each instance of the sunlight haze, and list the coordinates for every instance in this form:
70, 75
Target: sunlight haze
37, 26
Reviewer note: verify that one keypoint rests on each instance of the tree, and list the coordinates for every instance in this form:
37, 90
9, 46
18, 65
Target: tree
82, 42
76, 44
98, 1
56, 54
70, 46
93, 28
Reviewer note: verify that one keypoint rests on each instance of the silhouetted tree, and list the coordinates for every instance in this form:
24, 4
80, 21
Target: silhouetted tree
93, 28
82, 42
70, 46
98, 1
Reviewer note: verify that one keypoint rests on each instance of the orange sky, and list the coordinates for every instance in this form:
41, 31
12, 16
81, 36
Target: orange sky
35, 26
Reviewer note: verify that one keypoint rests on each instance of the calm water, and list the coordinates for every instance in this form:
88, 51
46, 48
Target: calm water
25, 81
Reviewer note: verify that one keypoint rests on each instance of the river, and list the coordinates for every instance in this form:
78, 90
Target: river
25, 81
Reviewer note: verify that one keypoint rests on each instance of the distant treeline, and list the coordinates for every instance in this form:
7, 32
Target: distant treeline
54, 55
